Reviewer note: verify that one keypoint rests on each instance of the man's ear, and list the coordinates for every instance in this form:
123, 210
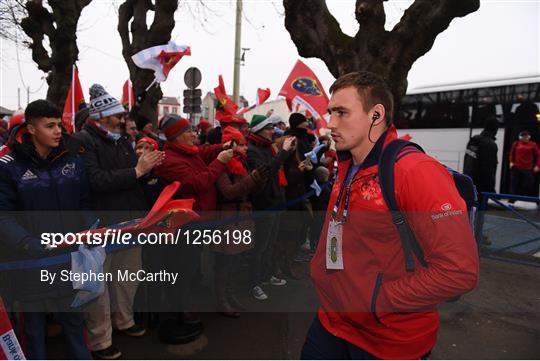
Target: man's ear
378, 114
31, 128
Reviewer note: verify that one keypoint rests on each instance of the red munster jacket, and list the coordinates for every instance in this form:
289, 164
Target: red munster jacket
374, 303
197, 172
525, 155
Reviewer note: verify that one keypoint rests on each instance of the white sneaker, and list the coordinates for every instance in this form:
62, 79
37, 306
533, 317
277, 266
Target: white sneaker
258, 293
274, 281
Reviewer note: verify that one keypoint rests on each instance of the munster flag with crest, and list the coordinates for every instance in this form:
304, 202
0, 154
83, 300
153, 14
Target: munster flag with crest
74, 102
303, 89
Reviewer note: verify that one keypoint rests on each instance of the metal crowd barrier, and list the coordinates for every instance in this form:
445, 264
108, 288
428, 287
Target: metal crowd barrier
503, 253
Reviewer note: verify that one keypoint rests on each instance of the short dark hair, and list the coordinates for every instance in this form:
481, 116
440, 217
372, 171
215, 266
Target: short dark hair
371, 89
41, 109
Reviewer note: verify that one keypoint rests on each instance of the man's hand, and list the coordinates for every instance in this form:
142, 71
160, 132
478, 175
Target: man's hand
289, 144
305, 165
511, 165
231, 144
225, 156
260, 175
536, 169
148, 161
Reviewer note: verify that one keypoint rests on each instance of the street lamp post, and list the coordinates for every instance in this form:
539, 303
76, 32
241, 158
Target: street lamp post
237, 48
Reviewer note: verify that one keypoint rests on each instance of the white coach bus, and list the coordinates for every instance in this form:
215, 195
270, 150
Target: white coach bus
442, 119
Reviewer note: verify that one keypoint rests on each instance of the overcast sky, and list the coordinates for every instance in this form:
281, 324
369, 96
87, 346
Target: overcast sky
500, 40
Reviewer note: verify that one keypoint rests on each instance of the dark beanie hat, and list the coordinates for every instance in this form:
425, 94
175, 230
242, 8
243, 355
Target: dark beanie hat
296, 119
173, 125
491, 125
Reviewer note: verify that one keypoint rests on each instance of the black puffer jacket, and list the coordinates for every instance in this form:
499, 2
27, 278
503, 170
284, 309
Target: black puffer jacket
480, 161
110, 166
39, 196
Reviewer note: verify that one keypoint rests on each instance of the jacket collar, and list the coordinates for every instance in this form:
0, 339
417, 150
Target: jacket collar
373, 157
24, 148
488, 134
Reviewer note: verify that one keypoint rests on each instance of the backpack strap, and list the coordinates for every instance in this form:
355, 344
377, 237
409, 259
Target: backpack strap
390, 154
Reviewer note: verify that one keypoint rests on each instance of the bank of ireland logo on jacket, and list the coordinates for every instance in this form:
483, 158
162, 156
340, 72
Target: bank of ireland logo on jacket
446, 207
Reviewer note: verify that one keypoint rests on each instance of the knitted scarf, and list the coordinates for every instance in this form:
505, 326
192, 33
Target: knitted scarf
236, 165
186, 149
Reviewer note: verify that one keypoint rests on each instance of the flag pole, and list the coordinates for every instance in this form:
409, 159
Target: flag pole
73, 98
129, 95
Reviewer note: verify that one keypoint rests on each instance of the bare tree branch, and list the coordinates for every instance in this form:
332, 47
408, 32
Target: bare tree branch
60, 27
316, 33
139, 36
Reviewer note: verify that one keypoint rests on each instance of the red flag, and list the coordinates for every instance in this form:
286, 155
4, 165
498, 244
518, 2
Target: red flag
74, 102
225, 104
169, 59
161, 59
262, 96
128, 99
9, 346
302, 89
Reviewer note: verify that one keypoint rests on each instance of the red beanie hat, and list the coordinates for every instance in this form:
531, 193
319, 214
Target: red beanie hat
173, 125
150, 141
226, 119
204, 125
230, 133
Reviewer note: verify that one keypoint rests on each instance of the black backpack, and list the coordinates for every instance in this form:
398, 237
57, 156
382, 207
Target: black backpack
471, 161
392, 153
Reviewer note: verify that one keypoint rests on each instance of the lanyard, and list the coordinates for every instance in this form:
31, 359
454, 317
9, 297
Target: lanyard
347, 189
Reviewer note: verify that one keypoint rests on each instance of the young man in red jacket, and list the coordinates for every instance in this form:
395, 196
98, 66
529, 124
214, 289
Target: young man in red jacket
371, 307
524, 164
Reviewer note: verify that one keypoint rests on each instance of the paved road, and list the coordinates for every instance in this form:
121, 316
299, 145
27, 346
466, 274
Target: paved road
499, 320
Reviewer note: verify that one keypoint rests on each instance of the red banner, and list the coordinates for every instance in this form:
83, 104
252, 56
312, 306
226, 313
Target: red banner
128, 98
303, 89
262, 95
74, 101
9, 345
225, 104
169, 59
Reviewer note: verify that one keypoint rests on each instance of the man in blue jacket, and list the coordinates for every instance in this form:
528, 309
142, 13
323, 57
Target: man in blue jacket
43, 188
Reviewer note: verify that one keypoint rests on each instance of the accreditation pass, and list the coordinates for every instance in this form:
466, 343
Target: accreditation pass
334, 246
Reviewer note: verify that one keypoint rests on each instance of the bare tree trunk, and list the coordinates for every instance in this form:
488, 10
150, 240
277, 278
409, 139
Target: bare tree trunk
139, 37
60, 27
316, 33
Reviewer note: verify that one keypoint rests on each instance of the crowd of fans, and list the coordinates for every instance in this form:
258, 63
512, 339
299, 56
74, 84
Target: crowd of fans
110, 170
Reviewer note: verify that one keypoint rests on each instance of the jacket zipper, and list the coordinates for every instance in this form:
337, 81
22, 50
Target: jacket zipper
376, 289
